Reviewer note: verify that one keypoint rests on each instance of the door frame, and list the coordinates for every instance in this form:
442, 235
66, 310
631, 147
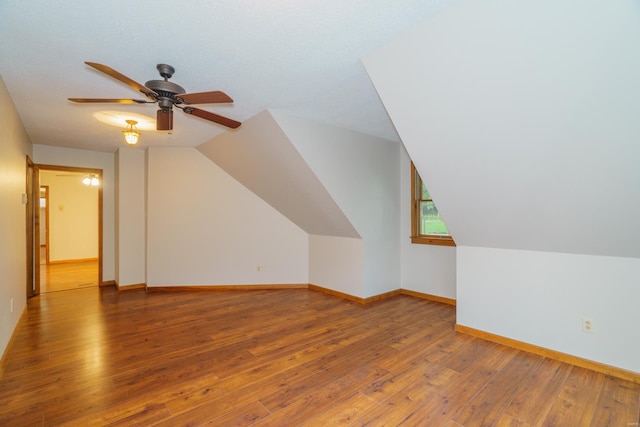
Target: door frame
36, 214
32, 200
45, 221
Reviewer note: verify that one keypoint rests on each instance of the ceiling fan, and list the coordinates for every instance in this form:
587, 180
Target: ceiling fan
167, 95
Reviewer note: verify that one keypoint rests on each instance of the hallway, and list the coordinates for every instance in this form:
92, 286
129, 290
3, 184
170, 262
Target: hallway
67, 275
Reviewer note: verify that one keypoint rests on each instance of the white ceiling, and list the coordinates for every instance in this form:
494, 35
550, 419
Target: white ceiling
301, 57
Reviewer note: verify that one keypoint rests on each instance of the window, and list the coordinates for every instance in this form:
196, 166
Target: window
426, 225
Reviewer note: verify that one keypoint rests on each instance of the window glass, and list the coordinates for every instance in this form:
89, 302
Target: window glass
427, 225
430, 221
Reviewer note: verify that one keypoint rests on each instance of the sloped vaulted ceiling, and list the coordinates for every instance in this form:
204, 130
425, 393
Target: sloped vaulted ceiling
297, 56
261, 157
522, 118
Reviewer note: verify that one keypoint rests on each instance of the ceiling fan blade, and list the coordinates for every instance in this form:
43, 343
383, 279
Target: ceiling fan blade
213, 97
212, 117
124, 79
164, 120
110, 100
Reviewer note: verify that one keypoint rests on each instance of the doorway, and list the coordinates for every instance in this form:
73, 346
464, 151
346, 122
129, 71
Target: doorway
44, 225
33, 266
68, 228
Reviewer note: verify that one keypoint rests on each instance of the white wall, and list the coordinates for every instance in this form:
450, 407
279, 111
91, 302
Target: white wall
14, 147
59, 156
73, 217
428, 269
361, 172
131, 221
204, 228
337, 263
541, 298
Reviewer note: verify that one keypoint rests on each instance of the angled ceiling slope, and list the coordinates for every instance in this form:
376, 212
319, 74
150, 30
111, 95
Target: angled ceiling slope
522, 118
302, 57
260, 156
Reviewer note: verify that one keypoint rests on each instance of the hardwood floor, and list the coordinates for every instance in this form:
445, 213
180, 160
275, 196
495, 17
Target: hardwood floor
68, 275
96, 356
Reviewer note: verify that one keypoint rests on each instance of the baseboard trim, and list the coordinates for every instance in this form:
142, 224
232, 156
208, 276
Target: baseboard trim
70, 261
131, 287
552, 354
353, 298
310, 286
226, 287
335, 293
429, 297
382, 296
3, 359
108, 283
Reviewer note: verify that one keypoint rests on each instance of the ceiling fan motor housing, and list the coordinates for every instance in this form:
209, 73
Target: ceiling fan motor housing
163, 86
165, 89
166, 92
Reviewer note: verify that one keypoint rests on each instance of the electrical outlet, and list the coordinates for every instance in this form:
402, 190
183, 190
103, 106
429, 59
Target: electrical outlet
587, 324
12, 305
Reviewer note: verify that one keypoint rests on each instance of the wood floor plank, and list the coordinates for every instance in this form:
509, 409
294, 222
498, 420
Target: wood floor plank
291, 394
97, 356
443, 404
534, 400
618, 404
343, 412
200, 408
576, 402
245, 416
310, 402
508, 421
40, 391
268, 377
68, 275
70, 404
465, 354
420, 373
130, 416
394, 410
20, 416
486, 407
415, 351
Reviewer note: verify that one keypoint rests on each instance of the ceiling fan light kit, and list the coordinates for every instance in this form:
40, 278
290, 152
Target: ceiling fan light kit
91, 180
167, 95
131, 134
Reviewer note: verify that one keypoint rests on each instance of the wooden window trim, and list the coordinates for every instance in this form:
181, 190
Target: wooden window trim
416, 237
433, 240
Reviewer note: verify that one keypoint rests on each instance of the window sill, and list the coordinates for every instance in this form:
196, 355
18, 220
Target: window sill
433, 240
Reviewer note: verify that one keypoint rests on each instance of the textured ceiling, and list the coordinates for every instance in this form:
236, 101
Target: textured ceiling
301, 57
